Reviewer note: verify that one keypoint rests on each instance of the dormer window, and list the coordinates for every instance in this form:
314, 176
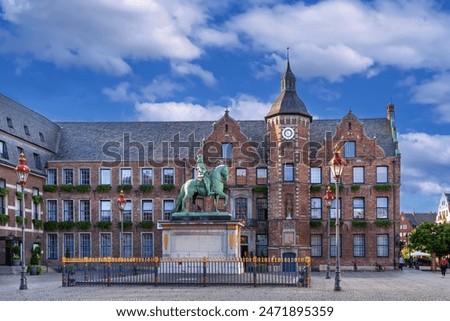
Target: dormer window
26, 130
9, 122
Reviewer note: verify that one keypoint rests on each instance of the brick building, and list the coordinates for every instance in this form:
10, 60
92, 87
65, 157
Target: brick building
278, 175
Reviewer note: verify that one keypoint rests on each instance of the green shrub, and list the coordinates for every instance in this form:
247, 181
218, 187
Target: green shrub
315, 224
4, 191
383, 223
83, 225
315, 188
103, 188
359, 224
260, 189
124, 187
167, 187
66, 188
382, 187
66, 225
104, 225
126, 225
4, 219
51, 226
83, 188
50, 188
146, 224
38, 224
355, 188
145, 188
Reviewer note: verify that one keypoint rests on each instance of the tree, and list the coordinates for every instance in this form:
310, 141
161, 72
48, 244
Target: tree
431, 238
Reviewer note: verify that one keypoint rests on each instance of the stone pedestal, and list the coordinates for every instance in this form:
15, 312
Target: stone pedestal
199, 235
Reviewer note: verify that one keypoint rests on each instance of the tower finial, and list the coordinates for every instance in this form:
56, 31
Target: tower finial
287, 53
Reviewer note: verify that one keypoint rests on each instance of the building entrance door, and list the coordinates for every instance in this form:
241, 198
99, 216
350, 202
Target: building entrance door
288, 266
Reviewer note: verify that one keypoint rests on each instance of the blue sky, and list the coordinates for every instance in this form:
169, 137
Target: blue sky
80, 60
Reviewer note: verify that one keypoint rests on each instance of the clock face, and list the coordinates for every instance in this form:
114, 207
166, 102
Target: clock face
288, 133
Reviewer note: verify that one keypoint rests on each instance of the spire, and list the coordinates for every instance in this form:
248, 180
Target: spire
288, 101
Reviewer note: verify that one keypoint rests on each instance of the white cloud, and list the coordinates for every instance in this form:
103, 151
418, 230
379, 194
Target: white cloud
333, 39
185, 68
424, 160
101, 35
241, 107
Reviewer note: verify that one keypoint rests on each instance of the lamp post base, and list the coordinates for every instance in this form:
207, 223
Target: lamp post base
328, 276
23, 281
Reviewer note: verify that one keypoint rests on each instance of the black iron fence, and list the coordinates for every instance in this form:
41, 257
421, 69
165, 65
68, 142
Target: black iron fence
186, 271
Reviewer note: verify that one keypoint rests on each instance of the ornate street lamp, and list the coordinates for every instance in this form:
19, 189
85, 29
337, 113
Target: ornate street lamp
328, 199
121, 201
337, 167
22, 171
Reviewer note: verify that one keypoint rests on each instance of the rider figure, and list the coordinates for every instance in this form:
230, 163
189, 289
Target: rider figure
203, 174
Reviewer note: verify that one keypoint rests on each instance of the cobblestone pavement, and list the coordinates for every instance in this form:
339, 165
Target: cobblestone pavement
406, 285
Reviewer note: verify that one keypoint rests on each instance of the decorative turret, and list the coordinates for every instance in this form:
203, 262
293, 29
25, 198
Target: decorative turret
288, 102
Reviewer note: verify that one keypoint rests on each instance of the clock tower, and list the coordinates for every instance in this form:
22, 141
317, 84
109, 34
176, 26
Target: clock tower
288, 126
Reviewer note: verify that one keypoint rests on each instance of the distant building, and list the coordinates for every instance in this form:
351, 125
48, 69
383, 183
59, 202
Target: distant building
443, 213
409, 221
278, 175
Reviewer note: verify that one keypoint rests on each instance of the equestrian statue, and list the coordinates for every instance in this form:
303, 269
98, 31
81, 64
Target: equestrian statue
207, 183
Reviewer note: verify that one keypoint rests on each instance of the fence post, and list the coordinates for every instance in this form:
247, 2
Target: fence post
156, 260
254, 270
85, 270
108, 272
205, 278
63, 271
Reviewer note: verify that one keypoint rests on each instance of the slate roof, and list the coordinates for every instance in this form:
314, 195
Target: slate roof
92, 141
415, 219
15, 136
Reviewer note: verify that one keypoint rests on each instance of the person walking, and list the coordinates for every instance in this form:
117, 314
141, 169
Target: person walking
401, 263
444, 265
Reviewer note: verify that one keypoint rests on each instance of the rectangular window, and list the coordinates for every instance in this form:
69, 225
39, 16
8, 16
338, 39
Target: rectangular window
382, 245
167, 209
69, 245
37, 161
3, 150
288, 172
52, 246
85, 210
85, 176
147, 244
51, 176
316, 208
382, 174
52, 210
9, 122
358, 175
168, 176
26, 130
240, 208
127, 249
147, 210
358, 208
125, 176
382, 207
2, 205
316, 175
333, 209
261, 176
227, 151
261, 208
68, 211
241, 176
35, 205
105, 176
105, 245
350, 149
41, 137
359, 245
333, 245
147, 176
127, 212
85, 245
316, 245
261, 245
67, 178
105, 210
